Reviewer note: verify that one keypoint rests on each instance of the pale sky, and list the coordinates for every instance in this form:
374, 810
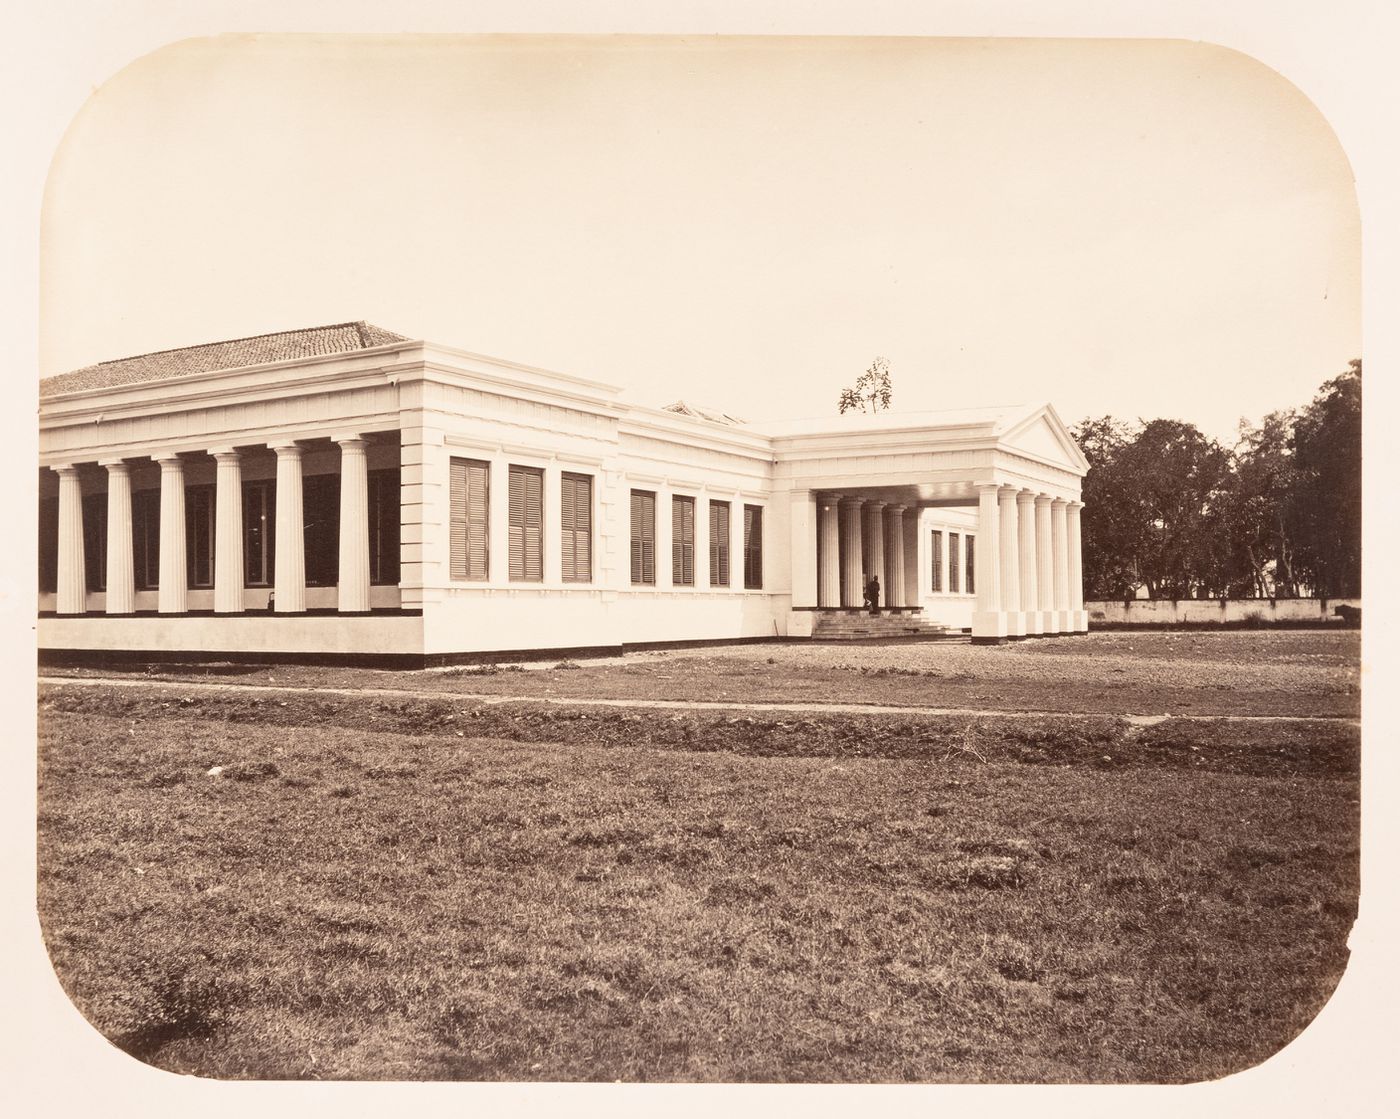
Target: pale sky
1136, 228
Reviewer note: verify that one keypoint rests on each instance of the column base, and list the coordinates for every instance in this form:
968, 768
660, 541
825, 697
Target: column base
1016, 628
1079, 621
989, 627
1035, 623
1062, 622
1050, 623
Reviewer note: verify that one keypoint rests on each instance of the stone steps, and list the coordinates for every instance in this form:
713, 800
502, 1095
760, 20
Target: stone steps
843, 624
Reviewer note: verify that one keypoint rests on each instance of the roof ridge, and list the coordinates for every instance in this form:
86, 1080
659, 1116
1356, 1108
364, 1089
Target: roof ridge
358, 325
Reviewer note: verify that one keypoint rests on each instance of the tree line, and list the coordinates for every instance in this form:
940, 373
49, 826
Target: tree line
1278, 515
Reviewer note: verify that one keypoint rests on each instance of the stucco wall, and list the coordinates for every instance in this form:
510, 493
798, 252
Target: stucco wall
1211, 611
240, 633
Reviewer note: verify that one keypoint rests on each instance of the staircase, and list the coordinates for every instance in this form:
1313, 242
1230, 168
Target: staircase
850, 625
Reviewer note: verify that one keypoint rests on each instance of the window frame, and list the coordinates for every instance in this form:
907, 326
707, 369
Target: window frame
719, 544
145, 518
519, 507
682, 542
385, 526
753, 547
642, 512
462, 467
955, 565
936, 551
572, 534
195, 496
260, 506
969, 563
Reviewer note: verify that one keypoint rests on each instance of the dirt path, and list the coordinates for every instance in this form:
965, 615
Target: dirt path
683, 705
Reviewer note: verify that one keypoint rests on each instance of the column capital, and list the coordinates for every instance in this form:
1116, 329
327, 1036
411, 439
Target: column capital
986, 487
350, 442
169, 460
896, 507
65, 469
114, 465
288, 449
875, 505
1042, 500
1074, 506
1025, 497
1060, 501
854, 502
223, 454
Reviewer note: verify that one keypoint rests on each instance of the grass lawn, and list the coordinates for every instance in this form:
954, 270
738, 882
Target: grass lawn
424, 887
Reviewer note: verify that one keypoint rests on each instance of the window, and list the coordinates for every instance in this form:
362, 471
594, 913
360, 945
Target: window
683, 541
643, 537
470, 501
526, 524
320, 519
954, 562
937, 552
970, 581
95, 541
48, 544
145, 538
259, 533
753, 547
576, 528
384, 527
199, 536
719, 543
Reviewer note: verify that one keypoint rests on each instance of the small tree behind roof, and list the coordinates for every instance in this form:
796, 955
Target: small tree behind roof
872, 390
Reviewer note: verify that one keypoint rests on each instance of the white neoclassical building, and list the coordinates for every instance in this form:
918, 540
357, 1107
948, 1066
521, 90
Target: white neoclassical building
345, 493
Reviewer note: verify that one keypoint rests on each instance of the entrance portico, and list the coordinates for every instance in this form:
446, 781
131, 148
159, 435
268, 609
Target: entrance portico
1015, 475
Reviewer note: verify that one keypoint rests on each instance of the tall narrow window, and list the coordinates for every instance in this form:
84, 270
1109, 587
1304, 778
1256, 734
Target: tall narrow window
526, 524
937, 552
469, 498
320, 508
970, 579
259, 532
954, 566
95, 541
719, 543
575, 528
199, 535
643, 537
145, 538
753, 547
384, 527
683, 541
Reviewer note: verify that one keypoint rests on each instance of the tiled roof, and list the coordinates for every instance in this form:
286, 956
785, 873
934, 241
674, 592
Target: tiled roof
283, 346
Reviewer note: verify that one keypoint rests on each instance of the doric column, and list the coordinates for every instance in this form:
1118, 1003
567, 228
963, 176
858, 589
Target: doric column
875, 546
353, 582
852, 592
1059, 542
913, 569
172, 593
1045, 565
988, 620
828, 554
289, 570
228, 531
121, 571
72, 564
803, 542
894, 555
1079, 617
1010, 562
1030, 589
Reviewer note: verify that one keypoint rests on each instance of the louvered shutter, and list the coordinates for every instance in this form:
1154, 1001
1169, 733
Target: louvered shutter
468, 519
753, 547
526, 524
954, 563
682, 541
576, 521
643, 537
719, 543
937, 581
970, 566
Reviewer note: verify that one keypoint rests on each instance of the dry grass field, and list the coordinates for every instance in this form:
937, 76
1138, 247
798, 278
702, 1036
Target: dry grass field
433, 886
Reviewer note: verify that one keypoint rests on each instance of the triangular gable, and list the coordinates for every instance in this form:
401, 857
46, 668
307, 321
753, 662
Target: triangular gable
1042, 435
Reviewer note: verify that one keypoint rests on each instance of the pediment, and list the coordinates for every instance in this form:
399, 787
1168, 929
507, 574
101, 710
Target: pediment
1042, 436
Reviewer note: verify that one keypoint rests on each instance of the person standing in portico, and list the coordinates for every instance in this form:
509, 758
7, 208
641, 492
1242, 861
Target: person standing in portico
872, 594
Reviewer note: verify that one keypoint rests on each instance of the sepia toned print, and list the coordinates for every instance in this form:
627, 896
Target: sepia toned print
686, 693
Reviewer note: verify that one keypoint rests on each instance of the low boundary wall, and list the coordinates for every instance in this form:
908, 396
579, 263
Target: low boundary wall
1213, 612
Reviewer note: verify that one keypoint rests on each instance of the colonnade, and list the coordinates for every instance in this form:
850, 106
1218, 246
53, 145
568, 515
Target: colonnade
858, 538
1029, 565
289, 577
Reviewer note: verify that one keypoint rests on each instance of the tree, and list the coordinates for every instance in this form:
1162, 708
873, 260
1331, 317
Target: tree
1109, 517
1258, 523
872, 390
1325, 498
